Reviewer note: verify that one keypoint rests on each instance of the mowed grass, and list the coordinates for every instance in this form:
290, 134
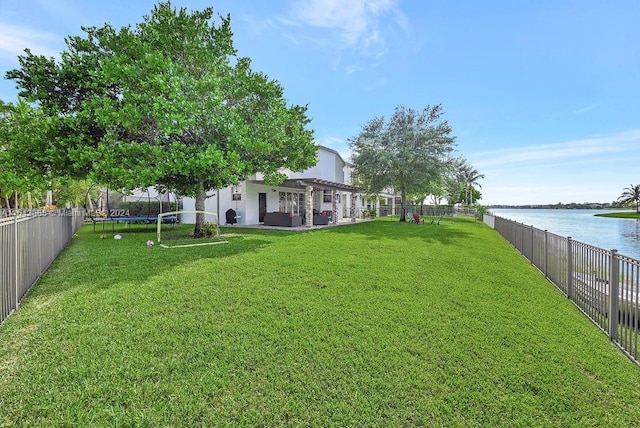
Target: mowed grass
376, 324
622, 214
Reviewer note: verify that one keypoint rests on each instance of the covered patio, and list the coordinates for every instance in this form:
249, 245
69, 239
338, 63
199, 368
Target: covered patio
313, 211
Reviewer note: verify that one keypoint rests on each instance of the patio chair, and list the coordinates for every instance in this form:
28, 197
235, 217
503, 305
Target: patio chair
437, 222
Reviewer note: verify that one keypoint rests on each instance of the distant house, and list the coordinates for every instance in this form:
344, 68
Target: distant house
318, 195
384, 203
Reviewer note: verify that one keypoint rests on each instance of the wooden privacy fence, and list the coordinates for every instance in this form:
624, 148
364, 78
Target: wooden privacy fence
30, 241
603, 284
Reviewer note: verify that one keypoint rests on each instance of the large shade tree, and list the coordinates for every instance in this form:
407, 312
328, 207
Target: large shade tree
7, 176
631, 195
167, 103
407, 152
22, 142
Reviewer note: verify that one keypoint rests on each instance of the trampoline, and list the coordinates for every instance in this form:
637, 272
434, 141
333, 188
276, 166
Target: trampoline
100, 212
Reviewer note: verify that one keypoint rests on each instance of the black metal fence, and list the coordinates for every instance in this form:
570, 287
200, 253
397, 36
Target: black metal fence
603, 284
29, 241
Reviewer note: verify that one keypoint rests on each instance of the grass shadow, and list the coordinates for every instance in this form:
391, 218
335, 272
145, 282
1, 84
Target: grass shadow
109, 261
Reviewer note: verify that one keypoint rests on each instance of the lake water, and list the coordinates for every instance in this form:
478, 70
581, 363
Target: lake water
582, 225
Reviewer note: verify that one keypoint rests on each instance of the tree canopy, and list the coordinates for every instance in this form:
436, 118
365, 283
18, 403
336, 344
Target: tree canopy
22, 141
167, 103
409, 152
463, 179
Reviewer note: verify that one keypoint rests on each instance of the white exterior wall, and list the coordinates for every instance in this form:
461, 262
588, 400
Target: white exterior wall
210, 204
221, 200
346, 173
329, 167
339, 170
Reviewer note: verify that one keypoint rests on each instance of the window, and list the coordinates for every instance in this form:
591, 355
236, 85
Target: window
236, 194
326, 196
291, 202
301, 203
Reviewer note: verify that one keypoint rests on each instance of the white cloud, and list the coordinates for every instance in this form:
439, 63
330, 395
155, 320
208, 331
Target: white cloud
353, 68
586, 109
14, 39
354, 23
547, 153
592, 169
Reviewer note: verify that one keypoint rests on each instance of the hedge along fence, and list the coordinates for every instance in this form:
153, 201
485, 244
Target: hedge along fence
603, 284
30, 240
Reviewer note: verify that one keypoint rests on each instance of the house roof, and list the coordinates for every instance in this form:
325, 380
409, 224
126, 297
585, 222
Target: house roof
318, 183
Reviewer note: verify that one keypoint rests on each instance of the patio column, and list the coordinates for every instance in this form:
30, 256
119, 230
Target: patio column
334, 206
352, 209
308, 206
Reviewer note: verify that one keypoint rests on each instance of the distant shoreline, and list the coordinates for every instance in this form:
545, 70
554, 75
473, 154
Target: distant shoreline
586, 206
620, 213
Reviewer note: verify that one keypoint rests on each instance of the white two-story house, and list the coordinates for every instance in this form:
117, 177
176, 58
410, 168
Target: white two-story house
318, 195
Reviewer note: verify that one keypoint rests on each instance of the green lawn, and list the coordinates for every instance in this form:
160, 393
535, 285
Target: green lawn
622, 214
376, 324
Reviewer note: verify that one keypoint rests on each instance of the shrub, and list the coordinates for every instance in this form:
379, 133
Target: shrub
209, 229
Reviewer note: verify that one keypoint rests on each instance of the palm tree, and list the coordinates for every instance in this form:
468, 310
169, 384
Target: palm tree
470, 176
631, 194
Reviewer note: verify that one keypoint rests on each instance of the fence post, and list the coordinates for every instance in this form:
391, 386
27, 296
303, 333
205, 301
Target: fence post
531, 256
546, 254
613, 296
15, 252
569, 269
40, 234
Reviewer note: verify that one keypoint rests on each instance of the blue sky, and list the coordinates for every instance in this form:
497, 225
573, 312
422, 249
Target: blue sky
543, 96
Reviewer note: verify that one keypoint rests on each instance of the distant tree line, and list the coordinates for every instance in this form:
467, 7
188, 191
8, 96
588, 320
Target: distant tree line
569, 206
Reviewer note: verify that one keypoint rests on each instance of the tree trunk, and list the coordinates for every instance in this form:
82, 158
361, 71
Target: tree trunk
403, 202
201, 196
89, 204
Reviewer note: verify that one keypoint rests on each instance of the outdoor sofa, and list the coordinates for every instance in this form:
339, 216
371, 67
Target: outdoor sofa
282, 219
319, 219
